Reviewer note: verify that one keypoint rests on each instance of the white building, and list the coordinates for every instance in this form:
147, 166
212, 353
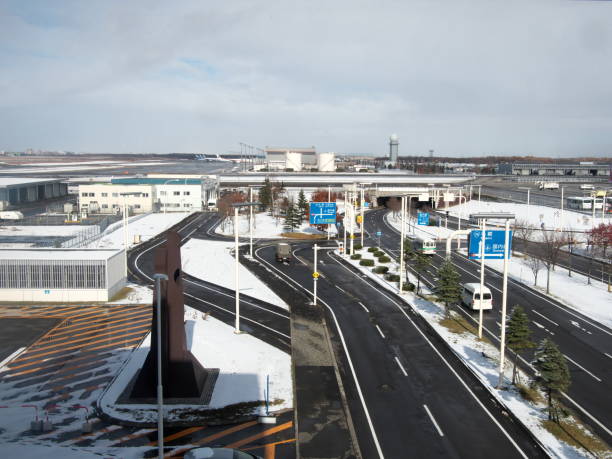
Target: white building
61, 275
299, 159
109, 198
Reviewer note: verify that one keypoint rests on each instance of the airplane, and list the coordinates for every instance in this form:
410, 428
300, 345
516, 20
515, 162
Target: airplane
216, 158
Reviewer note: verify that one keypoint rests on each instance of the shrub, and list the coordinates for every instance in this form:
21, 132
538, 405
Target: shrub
381, 269
384, 259
366, 262
372, 249
379, 253
392, 277
409, 287
355, 256
357, 246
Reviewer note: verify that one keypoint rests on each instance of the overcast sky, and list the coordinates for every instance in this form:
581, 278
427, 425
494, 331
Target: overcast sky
461, 78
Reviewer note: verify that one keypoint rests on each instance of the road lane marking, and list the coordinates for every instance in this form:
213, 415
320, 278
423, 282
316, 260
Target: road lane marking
544, 317
608, 355
380, 331
341, 289
539, 325
433, 420
11, 357
367, 310
401, 366
582, 368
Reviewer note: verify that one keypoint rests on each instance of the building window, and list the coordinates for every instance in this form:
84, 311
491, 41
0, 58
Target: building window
105, 206
136, 206
146, 195
176, 193
104, 195
186, 204
115, 195
91, 195
162, 193
186, 193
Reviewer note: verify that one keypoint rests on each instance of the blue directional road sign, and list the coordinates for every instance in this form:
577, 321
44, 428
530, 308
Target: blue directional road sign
494, 244
423, 218
378, 233
322, 213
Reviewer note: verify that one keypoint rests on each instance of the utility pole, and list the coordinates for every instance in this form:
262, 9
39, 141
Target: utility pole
402, 237
315, 276
482, 274
237, 255
502, 343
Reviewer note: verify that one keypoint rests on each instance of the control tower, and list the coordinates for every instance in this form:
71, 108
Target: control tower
393, 148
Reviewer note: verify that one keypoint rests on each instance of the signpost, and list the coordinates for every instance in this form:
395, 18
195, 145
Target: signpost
423, 218
494, 244
322, 213
378, 235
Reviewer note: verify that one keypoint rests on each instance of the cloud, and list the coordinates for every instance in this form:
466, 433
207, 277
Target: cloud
458, 77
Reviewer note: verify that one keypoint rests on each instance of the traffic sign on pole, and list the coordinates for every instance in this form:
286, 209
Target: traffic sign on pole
494, 244
423, 218
322, 213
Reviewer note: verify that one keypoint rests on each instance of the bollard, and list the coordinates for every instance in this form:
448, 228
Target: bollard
86, 427
36, 426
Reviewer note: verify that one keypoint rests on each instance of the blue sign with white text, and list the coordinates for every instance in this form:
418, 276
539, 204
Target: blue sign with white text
322, 213
494, 244
423, 218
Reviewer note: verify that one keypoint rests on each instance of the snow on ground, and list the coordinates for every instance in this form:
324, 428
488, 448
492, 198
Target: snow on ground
264, 227
211, 261
483, 360
535, 215
146, 227
570, 291
243, 362
137, 294
51, 231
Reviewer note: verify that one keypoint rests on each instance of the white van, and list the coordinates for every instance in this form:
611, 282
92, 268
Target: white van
587, 186
470, 296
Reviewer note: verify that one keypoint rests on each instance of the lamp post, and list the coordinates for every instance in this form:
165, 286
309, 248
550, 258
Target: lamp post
328, 200
315, 276
237, 256
528, 192
402, 237
125, 225
502, 342
160, 390
344, 222
562, 188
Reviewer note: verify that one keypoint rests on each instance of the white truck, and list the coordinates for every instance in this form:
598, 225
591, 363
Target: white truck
11, 215
548, 186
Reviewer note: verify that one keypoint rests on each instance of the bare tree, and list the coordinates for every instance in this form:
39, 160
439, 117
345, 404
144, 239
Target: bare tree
551, 245
535, 265
523, 230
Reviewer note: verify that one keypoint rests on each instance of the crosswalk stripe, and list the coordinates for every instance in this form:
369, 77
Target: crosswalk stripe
265, 433
215, 436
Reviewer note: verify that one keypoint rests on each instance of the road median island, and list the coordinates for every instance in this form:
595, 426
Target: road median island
480, 359
322, 420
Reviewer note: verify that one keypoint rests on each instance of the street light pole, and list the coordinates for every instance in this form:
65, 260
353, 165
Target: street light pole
344, 222
402, 237
315, 276
504, 301
251, 224
237, 276
160, 389
361, 208
328, 200
562, 188
352, 222
482, 274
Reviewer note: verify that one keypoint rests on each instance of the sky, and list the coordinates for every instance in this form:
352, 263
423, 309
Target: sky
459, 77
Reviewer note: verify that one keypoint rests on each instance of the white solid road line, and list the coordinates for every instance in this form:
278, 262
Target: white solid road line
367, 310
346, 352
11, 357
582, 368
608, 355
433, 420
446, 362
544, 317
401, 366
380, 331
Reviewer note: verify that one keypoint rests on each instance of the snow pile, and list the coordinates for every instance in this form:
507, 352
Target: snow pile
146, 227
243, 361
212, 261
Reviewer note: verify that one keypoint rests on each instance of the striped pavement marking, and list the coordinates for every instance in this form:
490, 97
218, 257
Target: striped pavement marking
96, 325
133, 436
104, 327
213, 437
180, 434
265, 433
269, 448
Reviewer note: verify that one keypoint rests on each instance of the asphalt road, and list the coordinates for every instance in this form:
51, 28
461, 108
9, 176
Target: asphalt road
586, 344
408, 395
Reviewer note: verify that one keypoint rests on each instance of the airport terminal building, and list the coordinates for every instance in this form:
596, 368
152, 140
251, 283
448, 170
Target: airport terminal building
16, 191
583, 169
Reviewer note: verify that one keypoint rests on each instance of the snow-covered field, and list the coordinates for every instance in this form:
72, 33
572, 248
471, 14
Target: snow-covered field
483, 360
146, 227
51, 231
212, 261
34, 169
244, 363
264, 227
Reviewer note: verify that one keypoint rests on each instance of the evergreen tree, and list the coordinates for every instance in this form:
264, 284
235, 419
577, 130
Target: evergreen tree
265, 194
552, 373
448, 286
297, 218
292, 218
421, 262
302, 205
518, 334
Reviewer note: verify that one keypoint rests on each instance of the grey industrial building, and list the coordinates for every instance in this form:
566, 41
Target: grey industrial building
583, 169
20, 190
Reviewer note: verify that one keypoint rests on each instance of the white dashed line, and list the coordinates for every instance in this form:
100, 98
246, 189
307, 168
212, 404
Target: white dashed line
363, 306
380, 331
401, 367
582, 368
544, 317
433, 420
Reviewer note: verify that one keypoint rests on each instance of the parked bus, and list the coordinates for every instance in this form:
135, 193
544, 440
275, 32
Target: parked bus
425, 246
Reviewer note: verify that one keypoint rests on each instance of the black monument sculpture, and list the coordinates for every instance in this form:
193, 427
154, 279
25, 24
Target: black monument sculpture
183, 377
